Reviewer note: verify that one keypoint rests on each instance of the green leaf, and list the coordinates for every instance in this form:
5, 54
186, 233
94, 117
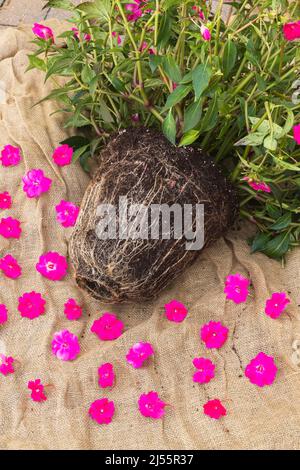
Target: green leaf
201, 77
259, 242
87, 74
36, 63
189, 137
171, 68
75, 141
78, 152
104, 111
60, 4
211, 116
192, 115
155, 61
278, 246
289, 122
169, 127
283, 222
270, 143
167, 4
176, 96
229, 57
253, 139
165, 29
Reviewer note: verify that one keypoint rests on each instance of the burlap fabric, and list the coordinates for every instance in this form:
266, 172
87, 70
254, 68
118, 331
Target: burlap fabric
267, 418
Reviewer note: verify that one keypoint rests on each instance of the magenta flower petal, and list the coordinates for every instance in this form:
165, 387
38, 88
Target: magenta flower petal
205, 372
139, 353
63, 155
5, 200
236, 288
205, 32
72, 310
65, 345
3, 314
214, 409
291, 31
276, 304
151, 406
10, 228
31, 305
10, 267
67, 213
296, 132
35, 183
257, 185
52, 265
43, 32
6, 365
175, 311
102, 411
106, 375
107, 327
37, 390
10, 155
214, 334
261, 370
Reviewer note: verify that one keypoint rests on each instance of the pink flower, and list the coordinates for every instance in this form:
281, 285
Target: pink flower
138, 354
10, 155
276, 304
31, 305
135, 117
3, 314
86, 36
63, 155
36, 183
37, 390
261, 370
291, 31
236, 288
214, 334
5, 200
52, 265
10, 267
257, 185
106, 375
118, 37
206, 370
10, 228
214, 409
107, 327
102, 411
151, 406
199, 12
175, 311
6, 365
206, 34
135, 11
72, 310
296, 131
43, 32
67, 213
65, 345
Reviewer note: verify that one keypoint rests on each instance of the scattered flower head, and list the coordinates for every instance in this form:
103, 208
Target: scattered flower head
236, 288
106, 375
206, 34
62, 155
102, 411
43, 32
261, 370
151, 406
6, 365
108, 327
276, 304
3, 314
35, 183
10, 155
175, 311
10, 228
291, 31
10, 267
214, 334
214, 409
67, 213
65, 345
257, 185
72, 310
31, 305
5, 200
296, 132
52, 265
138, 354
37, 390
205, 372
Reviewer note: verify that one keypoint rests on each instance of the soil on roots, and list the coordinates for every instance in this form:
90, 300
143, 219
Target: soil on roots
143, 166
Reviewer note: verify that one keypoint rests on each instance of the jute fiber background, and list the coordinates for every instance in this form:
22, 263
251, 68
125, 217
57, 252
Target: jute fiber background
267, 418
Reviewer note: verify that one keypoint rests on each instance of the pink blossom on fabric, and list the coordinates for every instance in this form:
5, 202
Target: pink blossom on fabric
72, 310
296, 132
214, 409
107, 327
236, 288
139, 353
52, 265
291, 31
5, 200
205, 32
10, 267
151, 406
257, 185
102, 411
65, 345
37, 390
214, 334
67, 213
63, 155
87, 37
43, 32
276, 304
10, 228
10, 155
6, 365
205, 372
106, 375
261, 370
36, 183
31, 305
3, 314
175, 311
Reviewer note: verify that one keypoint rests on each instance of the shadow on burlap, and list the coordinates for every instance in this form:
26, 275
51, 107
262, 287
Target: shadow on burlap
267, 418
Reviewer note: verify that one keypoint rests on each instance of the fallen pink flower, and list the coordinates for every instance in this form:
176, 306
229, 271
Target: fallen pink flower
36, 183
63, 155
106, 375
10, 228
10, 267
276, 304
291, 31
72, 310
175, 311
107, 327
31, 305
67, 213
261, 370
65, 345
52, 265
236, 288
214, 409
102, 411
5, 200
139, 353
6, 365
151, 406
3, 314
37, 390
205, 372
10, 155
43, 32
214, 334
